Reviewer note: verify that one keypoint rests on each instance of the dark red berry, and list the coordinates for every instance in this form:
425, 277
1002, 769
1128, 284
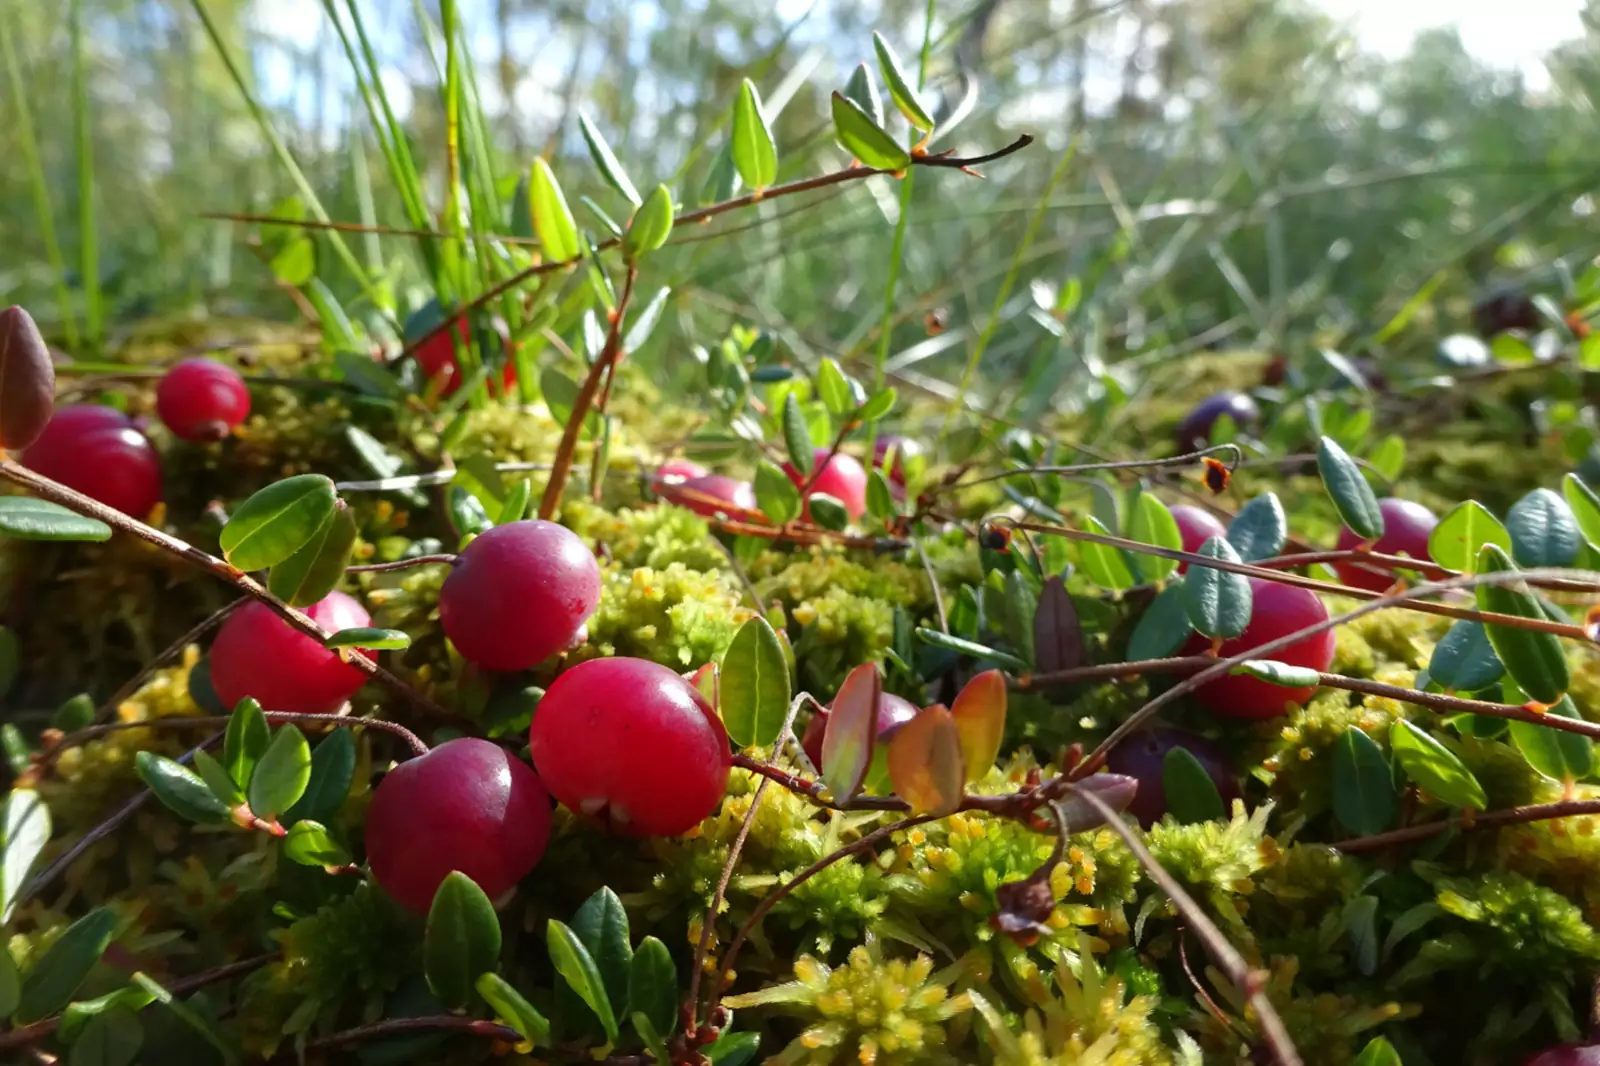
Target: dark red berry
1406, 526
1566, 1055
437, 358
27, 380
518, 594
1194, 432
1502, 308
903, 446
1142, 756
679, 470
96, 451
710, 495
202, 400
633, 745
893, 711
1278, 610
1196, 526
841, 477
467, 805
258, 654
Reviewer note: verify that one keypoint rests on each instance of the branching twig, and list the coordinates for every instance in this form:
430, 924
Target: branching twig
83, 736
169, 654
393, 1026
1540, 812
1084, 468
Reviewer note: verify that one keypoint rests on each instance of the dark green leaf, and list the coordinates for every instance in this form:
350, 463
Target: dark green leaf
333, 766
1260, 529
1352, 496
1104, 565
314, 571
880, 498
1543, 530
755, 685
26, 518
1378, 1052
516, 503
1554, 753
511, 1008
650, 1036
195, 1014
827, 511
723, 178
24, 831
218, 780
51, 982
1022, 606
1152, 523
862, 90
1276, 673
369, 638
1058, 642
310, 844
900, 88
733, 1049
552, 218
245, 741
796, 435
1465, 528
10, 983
864, 138
365, 374
606, 160
1585, 507
1190, 793
881, 403
283, 773
1534, 659
179, 788
337, 333
466, 513
73, 714
776, 495
462, 939
1364, 796
754, 153
1464, 660
651, 224
1163, 627
577, 967
1435, 768
277, 521
602, 925
1361, 923
653, 985
968, 647
1218, 601
110, 1038
9, 660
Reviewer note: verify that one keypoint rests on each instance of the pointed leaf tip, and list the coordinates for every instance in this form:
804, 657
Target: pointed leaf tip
979, 713
851, 732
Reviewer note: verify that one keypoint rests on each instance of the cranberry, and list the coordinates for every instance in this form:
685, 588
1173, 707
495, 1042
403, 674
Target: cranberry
1194, 432
258, 654
438, 357
629, 742
1406, 526
675, 471
903, 446
893, 711
1278, 611
1196, 526
518, 594
96, 451
202, 400
467, 805
1566, 1055
842, 477
1142, 756
698, 494
1502, 308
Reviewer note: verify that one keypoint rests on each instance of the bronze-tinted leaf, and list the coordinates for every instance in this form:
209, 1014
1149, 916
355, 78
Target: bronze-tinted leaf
979, 712
27, 380
925, 762
1057, 633
852, 728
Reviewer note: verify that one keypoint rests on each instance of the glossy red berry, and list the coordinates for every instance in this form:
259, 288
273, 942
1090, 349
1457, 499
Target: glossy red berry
842, 477
1195, 526
96, 451
258, 654
893, 711
675, 471
437, 358
1566, 1055
1194, 431
467, 805
1278, 610
1406, 527
710, 495
1142, 757
202, 400
518, 594
633, 745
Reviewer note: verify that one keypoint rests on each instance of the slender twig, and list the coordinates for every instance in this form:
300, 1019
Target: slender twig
833, 450
392, 1026
797, 533
88, 733
933, 583
739, 572
1227, 958
401, 564
561, 466
1371, 562
76, 501
432, 477
1540, 812
169, 654
1084, 468
354, 227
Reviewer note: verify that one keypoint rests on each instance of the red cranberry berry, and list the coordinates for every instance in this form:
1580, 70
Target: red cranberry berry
676, 471
1194, 432
258, 654
1142, 756
518, 594
893, 711
903, 446
632, 744
710, 495
1566, 1055
202, 400
467, 805
96, 451
842, 477
1278, 610
1196, 526
437, 358
1406, 526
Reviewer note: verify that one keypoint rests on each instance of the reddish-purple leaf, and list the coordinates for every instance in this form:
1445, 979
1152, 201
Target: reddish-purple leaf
1117, 790
980, 719
852, 727
27, 380
1057, 634
925, 763
706, 681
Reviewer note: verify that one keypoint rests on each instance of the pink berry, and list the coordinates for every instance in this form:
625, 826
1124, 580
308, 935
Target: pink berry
842, 477
1143, 755
1196, 526
710, 495
893, 711
518, 594
202, 400
1278, 610
1406, 526
96, 451
467, 805
679, 470
260, 655
632, 744
437, 358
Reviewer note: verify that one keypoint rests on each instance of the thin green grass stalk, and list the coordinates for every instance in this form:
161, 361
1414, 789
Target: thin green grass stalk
361, 178
454, 222
281, 150
43, 216
88, 236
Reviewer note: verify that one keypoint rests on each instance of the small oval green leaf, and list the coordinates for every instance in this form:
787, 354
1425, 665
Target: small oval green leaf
880, 404
26, 518
1585, 507
511, 1008
577, 967
1389, 456
1260, 529
369, 638
1464, 660
283, 773
1554, 753
1544, 531
864, 138
651, 224
606, 160
1275, 673
1163, 627
880, 498
24, 831
827, 511
552, 218
1347, 487
653, 985
51, 982
1104, 565
310, 844
110, 1038
862, 90
1364, 797
900, 89
333, 767
1533, 658
1190, 793
755, 155
218, 780
776, 495
180, 788
1152, 523
602, 924
314, 571
1455, 542
245, 741
277, 521
1378, 1052
834, 386
10, 983
1218, 602
1434, 767
797, 435
462, 939
969, 647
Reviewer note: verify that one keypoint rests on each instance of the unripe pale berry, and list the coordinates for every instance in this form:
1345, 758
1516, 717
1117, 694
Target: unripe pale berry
518, 594
467, 805
202, 400
710, 494
1142, 757
1196, 526
258, 654
1406, 527
841, 477
631, 744
893, 711
96, 450
1278, 610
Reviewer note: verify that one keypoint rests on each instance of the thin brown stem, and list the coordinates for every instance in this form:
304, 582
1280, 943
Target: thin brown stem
561, 466
401, 564
933, 583
1084, 468
167, 655
739, 572
393, 1026
796, 533
1377, 563
1541, 812
73, 500
816, 467
88, 733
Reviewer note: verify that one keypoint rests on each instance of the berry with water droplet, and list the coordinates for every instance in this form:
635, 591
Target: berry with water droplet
202, 400
258, 654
